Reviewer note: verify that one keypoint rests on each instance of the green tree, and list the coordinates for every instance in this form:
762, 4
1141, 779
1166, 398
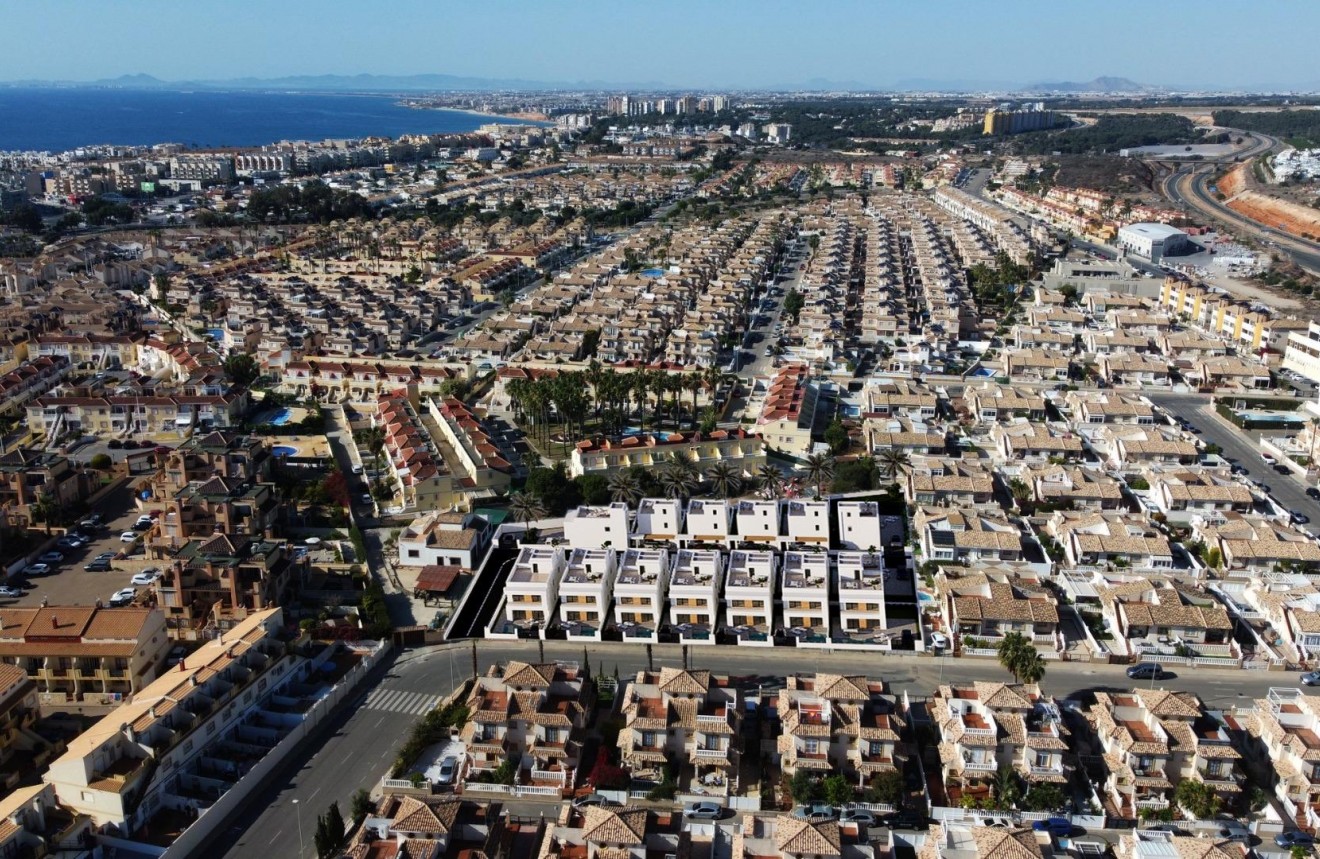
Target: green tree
886, 787
838, 790
241, 369
836, 436
625, 487
771, 480
793, 304
1198, 798
679, 478
820, 469
893, 463
334, 826
594, 488
1044, 797
101, 462
1020, 657
360, 805
724, 478
1007, 788
805, 787
525, 508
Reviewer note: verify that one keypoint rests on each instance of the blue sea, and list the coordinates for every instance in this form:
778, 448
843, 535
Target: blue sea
60, 119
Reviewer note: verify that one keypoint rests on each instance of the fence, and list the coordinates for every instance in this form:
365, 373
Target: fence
516, 790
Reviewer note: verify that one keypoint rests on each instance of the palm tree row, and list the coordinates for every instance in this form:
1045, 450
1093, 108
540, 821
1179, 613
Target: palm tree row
678, 477
610, 396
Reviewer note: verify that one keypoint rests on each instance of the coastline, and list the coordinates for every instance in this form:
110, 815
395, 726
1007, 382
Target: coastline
482, 113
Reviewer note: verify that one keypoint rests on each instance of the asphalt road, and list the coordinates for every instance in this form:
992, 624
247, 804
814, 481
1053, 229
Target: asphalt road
364, 741
1289, 491
1187, 187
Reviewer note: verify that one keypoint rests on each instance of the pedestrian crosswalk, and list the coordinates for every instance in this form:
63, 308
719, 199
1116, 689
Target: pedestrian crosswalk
399, 701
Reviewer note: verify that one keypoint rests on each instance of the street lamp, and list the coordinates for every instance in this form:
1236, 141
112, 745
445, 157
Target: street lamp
298, 813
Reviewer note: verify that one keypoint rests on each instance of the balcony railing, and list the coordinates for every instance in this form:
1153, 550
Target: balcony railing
980, 766
712, 754
1056, 769
979, 732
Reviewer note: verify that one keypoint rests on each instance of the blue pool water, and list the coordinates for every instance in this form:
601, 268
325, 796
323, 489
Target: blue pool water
280, 418
284, 450
983, 372
217, 334
653, 272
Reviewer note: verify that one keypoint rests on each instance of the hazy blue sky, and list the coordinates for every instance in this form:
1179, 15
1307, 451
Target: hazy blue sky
695, 43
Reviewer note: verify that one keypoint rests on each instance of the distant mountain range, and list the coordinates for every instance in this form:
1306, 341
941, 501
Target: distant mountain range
342, 83
1100, 84
443, 82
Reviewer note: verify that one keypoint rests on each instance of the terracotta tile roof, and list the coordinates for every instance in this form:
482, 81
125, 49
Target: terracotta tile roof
794, 835
615, 826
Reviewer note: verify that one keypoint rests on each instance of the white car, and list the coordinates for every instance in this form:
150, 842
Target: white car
128, 537
36, 570
146, 577
51, 558
6, 592
939, 641
122, 597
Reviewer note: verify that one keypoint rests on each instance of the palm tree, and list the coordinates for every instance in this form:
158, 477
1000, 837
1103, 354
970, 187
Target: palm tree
771, 480
525, 508
679, 481
820, 468
724, 478
1021, 493
694, 382
893, 462
625, 487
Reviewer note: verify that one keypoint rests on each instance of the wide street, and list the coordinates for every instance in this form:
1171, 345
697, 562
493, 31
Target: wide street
364, 739
1288, 490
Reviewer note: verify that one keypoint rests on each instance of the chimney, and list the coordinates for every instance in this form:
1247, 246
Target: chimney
128, 731
54, 622
183, 665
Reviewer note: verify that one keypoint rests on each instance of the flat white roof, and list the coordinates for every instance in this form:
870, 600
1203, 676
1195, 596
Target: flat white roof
1155, 231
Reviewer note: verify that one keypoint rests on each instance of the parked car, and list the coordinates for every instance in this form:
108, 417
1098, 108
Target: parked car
860, 816
105, 556
1146, 671
815, 811
1311, 678
1283, 469
703, 811
51, 558
128, 537
146, 577
906, 820
590, 799
71, 541
448, 770
1312, 492
1059, 827
143, 522
122, 597
37, 570
1300, 518
97, 566
939, 641
366, 499
9, 592
1295, 838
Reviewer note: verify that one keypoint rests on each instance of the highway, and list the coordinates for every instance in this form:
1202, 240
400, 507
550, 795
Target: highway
1196, 409
1186, 186
364, 741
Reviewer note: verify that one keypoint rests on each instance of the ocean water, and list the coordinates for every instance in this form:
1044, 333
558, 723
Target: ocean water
60, 119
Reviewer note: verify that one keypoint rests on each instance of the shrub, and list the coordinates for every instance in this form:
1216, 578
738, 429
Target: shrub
101, 462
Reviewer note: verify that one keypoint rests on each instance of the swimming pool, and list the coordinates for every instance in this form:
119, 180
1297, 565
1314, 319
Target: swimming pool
983, 372
280, 418
284, 450
653, 272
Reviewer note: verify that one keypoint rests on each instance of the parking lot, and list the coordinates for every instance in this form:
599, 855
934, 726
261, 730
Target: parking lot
69, 583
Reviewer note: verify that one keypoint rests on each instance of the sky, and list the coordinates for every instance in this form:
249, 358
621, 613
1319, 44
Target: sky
695, 43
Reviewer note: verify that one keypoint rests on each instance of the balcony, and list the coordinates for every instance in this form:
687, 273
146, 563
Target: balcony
980, 766
711, 754
1054, 770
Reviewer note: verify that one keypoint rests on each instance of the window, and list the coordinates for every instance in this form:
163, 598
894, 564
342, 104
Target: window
414, 553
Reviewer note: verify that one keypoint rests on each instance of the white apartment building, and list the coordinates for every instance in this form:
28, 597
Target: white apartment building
859, 525
694, 594
757, 522
639, 592
805, 580
599, 527
708, 522
531, 590
860, 580
1302, 354
749, 596
808, 522
659, 519
584, 592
